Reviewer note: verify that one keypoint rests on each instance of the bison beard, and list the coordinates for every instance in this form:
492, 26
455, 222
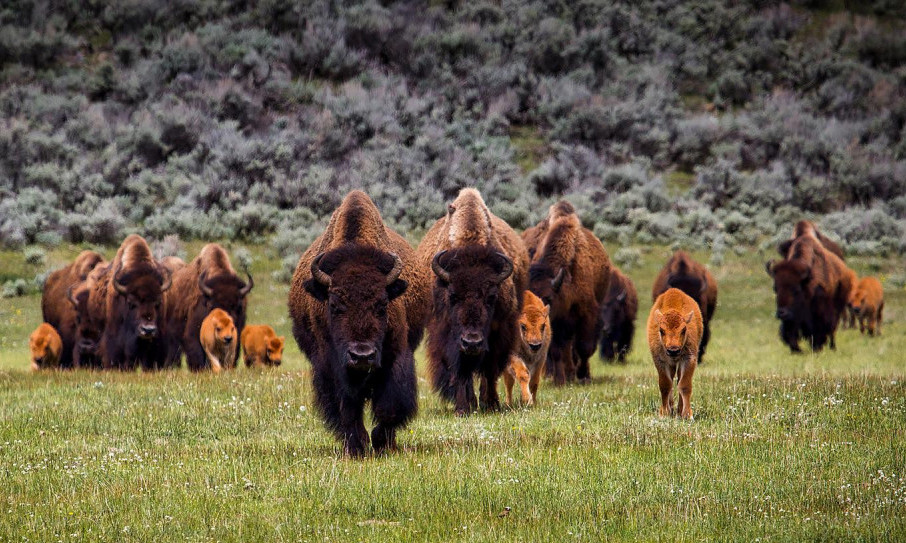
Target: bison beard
470, 331
365, 353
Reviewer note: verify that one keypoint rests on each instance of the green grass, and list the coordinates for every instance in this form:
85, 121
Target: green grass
781, 448
531, 149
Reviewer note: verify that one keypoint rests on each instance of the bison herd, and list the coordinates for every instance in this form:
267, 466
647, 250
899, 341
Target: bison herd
493, 303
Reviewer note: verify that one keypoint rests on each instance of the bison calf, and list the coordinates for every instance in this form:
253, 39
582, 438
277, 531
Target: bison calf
218, 339
46, 347
674, 335
261, 346
530, 352
689, 276
868, 305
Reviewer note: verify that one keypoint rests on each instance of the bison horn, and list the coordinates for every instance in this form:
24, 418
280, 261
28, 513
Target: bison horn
248, 286
507, 268
439, 270
769, 267
396, 271
121, 288
317, 273
203, 286
71, 298
557, 281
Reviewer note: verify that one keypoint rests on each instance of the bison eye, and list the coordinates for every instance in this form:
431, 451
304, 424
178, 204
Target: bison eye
543, 326
132, 305
524, 328
491, 298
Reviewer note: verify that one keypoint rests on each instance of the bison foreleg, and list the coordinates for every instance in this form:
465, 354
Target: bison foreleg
195, 355
394, 403
665, 383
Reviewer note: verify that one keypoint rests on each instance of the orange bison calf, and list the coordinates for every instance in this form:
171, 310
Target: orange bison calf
868, 305
46, 347
261, 346
218, 339
530, 352
674, 334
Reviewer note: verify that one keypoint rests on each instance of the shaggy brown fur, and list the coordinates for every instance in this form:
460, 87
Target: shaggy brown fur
530, 354
133, 329
868, 305
186, 305
173, 263
534, 235
219, 340
477, 299
571, 273
684, 273
261, 346
56, 304
813, 286
358, 321
618, 314
46, 347
674, 332
849, 317
808, 228
89, 322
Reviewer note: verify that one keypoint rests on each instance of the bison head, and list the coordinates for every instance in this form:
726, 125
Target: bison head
274, 348
226, 292
141, 288
612, 309
672, 330
357, 283
791, 278
41, 347
545, 282
468, 281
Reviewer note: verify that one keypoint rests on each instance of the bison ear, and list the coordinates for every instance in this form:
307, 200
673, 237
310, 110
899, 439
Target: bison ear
769, 267
316, 289
689, 316
396, 289
658, 315
547, 310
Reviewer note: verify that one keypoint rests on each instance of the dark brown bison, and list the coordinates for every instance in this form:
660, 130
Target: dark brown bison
804, 228
684, 273
133, 293
208, 282
358, 303
89, 321
480, 266
56, 306
812, 287
570, 271
618, 314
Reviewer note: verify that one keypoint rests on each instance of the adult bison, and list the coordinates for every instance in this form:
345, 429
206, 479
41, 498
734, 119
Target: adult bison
812, 287
90, 321
570, 272
480, 266
808, 228
55, 301
358, 303
618, 314
684, 273
208, 282
131, 296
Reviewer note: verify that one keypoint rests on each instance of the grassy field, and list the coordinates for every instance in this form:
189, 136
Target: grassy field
782, 448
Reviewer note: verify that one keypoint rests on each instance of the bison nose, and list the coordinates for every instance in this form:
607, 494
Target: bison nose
227, 339
784, 313
673, 351
147, 330
39, 360
471, 341
86, 345
361, 354
535, 347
